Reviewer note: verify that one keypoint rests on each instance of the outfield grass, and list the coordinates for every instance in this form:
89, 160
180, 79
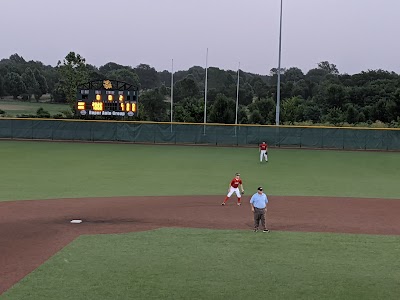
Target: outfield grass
14, 108
43, 170
206, 264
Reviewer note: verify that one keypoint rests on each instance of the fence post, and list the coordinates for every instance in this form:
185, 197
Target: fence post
277, 138
342, 138
301, 134
387, 140
175, 133
322, 138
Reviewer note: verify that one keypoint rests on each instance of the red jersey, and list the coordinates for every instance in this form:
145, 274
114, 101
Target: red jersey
235, 182
263, 146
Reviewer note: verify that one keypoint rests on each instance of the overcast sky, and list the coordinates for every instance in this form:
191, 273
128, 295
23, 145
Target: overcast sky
356, 35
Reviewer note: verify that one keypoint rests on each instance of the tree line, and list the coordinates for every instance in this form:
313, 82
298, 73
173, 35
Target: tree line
320, 96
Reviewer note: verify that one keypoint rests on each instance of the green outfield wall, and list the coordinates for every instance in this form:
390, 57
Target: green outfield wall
211, 134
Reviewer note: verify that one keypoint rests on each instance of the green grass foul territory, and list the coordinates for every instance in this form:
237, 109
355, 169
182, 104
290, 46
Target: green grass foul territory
218, 264
44, 170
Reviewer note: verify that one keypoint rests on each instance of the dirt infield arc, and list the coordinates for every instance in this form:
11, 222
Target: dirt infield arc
32, 231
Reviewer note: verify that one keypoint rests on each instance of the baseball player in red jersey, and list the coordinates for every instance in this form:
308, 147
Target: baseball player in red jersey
263, 151
234, 188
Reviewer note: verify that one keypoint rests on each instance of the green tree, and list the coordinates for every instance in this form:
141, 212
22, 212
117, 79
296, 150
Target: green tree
164, 90
260, 88
328, 67
396, 97
14, 85
165, 78
181, 114
292, 109
148, 76
42, 87
3, 68
15, 58
242, 115
369, 113
294, 74
380, 111
109, 67
223, 110
246, 94
391, 110
312, 112
220, 80
2, 92
335, 116
189, 110
385, 111
154, 106
331, 95
30, 82
42, 113
211, 95
335, 95
198, 73
195, 107
266, 108
58, 94
186, 88
301, 89
72, 72
15, 63
352, 114
52, 78
125, 75
361, 117
94, 73
316, 75
256, 118
286, 89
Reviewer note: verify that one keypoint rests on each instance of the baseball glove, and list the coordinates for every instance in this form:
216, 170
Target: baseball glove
242, 192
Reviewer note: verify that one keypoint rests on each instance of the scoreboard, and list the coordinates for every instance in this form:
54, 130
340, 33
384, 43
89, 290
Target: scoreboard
107, 98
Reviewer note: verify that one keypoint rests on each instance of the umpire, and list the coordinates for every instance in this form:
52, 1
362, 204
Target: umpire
259, 207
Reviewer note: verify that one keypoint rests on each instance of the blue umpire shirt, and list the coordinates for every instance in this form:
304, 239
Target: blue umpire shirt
259, 200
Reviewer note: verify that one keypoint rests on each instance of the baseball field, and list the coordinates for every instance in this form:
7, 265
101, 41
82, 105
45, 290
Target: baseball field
153, 226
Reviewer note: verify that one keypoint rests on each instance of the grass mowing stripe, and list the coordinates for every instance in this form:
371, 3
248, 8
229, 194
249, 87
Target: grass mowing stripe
220, 264
37, 170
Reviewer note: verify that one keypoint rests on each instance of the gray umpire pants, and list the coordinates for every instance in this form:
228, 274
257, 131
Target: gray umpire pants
259, 215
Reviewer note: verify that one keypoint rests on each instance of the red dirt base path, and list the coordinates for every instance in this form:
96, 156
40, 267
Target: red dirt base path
32, 231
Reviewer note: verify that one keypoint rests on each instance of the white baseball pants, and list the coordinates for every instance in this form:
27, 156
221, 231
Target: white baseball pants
263, 154
234, 190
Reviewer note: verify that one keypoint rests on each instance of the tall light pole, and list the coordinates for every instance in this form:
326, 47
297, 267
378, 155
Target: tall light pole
172, 91
278, 93
205, 94
237, 97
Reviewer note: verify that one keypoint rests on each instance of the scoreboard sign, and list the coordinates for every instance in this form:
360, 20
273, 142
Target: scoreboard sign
107, 98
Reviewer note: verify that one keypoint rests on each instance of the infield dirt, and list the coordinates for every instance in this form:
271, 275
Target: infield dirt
32, 231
